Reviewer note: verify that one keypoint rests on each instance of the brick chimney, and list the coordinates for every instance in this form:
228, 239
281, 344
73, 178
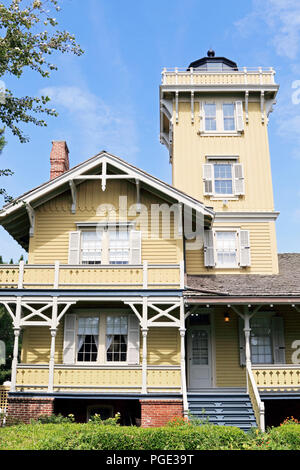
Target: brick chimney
59, 158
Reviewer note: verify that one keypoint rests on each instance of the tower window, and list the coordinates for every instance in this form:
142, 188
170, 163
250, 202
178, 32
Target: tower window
210, 117
229, 116
222, 117
223, 178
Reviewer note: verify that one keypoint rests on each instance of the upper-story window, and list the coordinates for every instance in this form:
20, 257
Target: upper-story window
219, 117
91, 247
225, 249
210, 112
223, 178
118, 246
105, 245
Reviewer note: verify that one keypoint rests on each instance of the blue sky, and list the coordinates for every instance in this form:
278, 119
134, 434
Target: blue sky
108, 98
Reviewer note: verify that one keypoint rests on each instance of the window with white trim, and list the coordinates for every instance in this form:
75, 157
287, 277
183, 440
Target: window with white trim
91, 247
210, 113
223, 179
118, 246
111, 336
116, 338
226, 248
261, 340
87, 339
222, 116
105, 245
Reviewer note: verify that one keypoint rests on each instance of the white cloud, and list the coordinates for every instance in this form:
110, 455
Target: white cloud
282, 18
99, 126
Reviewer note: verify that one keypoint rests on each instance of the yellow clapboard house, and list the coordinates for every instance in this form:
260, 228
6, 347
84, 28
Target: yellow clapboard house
155, 300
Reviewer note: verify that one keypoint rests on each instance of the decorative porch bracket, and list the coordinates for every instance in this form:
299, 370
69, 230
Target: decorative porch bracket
51, 321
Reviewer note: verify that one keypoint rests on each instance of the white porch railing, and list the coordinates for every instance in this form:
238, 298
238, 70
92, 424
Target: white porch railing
274, 378
64, 276
257, 404
242, 76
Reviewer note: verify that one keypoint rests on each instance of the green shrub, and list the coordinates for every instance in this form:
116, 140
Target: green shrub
55, 419
90, 436
96, 419
4, 375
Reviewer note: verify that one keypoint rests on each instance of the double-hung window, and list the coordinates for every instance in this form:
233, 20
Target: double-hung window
226, 249
223, 178
87, 339
228, 116
118, 246
210, 112
261, 340
107, 337
91, 247
116, 338
221, 117
105, 245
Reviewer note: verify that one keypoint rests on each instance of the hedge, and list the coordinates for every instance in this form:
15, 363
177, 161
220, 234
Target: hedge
90, 436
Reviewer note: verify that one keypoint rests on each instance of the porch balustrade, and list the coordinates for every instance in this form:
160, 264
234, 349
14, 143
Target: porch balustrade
61, 276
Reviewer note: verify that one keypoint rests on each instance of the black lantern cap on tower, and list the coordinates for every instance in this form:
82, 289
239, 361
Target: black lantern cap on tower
212, 63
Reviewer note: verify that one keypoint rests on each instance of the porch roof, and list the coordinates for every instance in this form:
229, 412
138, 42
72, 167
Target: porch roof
284, 284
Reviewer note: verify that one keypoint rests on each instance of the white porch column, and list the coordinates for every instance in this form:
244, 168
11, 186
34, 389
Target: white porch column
53, 331
51, 362
247, 331
182, 331
144, 364
17, 329
144, 334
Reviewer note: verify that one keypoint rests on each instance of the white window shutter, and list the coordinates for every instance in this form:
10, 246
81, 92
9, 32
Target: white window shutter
209, 254
239, 116
133, 351
135, 243
74, 247
245, 258
239, 181
278, 340
242, 342
208, 177
69, 339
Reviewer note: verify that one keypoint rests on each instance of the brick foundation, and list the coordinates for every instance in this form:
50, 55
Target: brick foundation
27, 408
155, 413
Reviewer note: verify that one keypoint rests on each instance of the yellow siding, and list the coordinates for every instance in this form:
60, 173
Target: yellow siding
36, 345
291, 320
263, 255
229, 373
252, 147
54, 221
163, 346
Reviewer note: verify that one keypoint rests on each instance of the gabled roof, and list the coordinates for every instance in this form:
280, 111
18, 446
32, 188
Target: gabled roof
15, 216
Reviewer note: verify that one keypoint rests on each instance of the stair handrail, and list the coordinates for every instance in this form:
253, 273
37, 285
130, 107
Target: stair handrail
258, 405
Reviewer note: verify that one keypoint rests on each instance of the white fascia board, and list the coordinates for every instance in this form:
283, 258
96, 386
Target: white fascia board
220, 88
244, 217
123, 166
